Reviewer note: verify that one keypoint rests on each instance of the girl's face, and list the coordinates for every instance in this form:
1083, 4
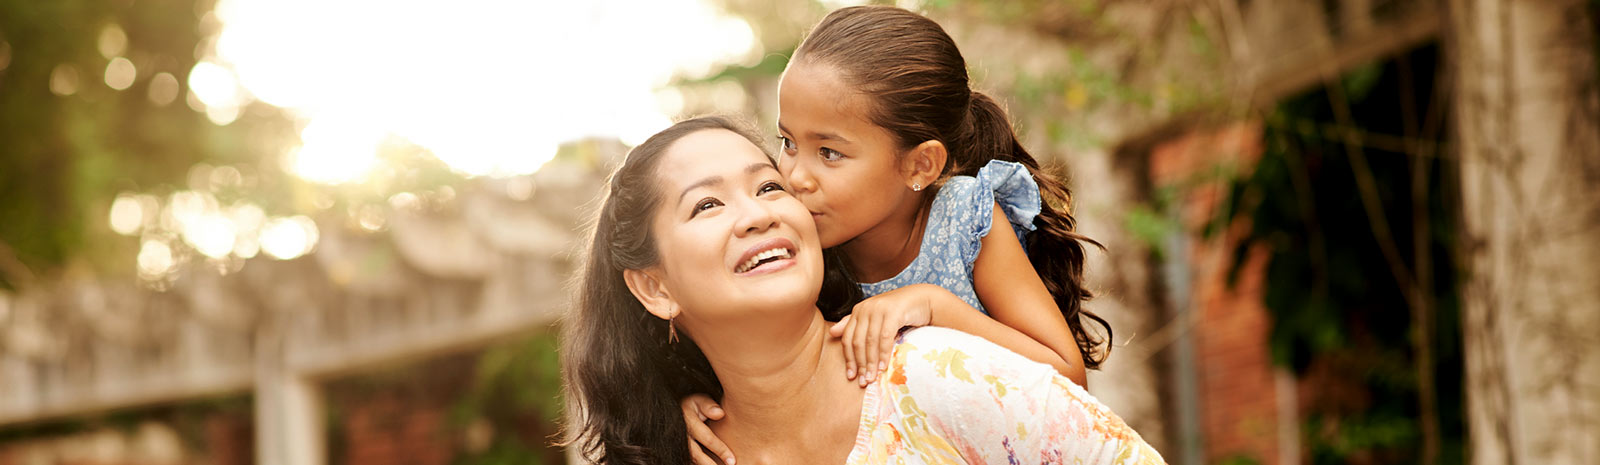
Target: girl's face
842, 166
729, 236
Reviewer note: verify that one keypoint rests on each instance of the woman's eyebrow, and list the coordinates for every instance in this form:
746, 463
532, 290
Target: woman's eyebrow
717, 180
704, 182
758, 166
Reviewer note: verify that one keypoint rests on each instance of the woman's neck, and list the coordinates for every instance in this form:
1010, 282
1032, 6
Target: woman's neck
783, 392
886, 249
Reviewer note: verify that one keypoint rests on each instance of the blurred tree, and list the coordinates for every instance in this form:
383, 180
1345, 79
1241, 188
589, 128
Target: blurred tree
1529, 135
70, 140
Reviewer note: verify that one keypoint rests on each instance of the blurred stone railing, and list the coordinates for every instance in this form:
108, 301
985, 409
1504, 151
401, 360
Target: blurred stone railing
479, 267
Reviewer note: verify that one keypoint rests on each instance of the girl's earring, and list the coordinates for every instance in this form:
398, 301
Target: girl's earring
916, 187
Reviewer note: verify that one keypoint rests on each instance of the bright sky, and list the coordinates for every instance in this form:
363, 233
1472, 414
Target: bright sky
490, 86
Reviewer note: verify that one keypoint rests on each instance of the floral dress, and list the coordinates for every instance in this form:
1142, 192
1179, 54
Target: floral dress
960, 217
951, 397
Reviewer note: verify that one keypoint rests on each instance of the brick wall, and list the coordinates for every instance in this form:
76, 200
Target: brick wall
387, 430
1236, 379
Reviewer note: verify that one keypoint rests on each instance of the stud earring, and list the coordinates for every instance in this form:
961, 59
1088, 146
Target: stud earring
916, 187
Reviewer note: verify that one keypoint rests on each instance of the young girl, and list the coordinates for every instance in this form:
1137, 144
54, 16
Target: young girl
906, 171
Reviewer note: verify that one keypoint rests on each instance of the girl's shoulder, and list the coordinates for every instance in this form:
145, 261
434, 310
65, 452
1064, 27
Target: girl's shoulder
963, 210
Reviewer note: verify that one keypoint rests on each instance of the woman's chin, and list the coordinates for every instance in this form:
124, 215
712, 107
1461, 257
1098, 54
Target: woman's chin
780, 295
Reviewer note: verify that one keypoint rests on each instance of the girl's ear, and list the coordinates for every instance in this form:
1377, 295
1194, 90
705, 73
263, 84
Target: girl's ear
922, 165
646, 285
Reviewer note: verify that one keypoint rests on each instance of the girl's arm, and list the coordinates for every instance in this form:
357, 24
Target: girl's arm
1014, 294
868, 333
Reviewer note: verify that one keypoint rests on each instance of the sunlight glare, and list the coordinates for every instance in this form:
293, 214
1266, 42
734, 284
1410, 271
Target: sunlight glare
211, 234
214, 85
126, 214
288, 238
491, 89
120, 73
335, 151
163, 89
155, 259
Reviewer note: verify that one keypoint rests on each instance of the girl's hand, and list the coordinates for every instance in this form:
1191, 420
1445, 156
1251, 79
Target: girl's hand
696, 410
869, 330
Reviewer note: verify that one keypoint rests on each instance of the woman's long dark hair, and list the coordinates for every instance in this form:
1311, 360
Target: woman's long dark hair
917, 81
623, 379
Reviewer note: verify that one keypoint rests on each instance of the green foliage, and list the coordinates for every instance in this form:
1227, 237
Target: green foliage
1150, 227
516, 388
772, 64
1338, 311
1239, 460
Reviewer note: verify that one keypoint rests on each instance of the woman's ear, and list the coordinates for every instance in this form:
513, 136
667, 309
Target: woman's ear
646, 286
921, 166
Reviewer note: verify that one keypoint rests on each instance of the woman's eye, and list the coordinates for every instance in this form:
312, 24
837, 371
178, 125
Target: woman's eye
786, 144
770, 186
704, 205
830, 154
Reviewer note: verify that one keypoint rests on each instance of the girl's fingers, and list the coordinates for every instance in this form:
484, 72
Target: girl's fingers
886, 346
859, 340
849, 349
700, 435
870, 346
707, 408
838, 328
698, 457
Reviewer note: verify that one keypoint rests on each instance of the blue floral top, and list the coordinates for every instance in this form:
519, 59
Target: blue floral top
959, 219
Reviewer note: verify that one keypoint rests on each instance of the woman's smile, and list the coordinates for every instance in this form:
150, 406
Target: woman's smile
765, 257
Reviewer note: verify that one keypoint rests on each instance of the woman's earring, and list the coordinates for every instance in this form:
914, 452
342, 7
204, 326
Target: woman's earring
916, 187
672, 330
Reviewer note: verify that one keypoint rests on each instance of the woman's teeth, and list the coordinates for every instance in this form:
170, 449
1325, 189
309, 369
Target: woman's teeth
780, 253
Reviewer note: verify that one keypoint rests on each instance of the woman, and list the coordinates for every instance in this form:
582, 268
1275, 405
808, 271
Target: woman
703, 276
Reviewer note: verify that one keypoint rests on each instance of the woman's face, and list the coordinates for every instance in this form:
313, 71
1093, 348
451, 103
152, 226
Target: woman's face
732, 240
841, 165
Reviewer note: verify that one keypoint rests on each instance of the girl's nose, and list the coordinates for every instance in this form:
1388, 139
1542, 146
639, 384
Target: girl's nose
800, 179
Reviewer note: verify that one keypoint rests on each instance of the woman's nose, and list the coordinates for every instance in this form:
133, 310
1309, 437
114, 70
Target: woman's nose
757, 217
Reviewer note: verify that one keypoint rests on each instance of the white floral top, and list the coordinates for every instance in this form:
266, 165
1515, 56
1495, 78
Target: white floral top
950, 397
960, 217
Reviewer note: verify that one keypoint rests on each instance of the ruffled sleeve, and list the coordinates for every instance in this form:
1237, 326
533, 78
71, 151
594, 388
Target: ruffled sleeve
1013, 188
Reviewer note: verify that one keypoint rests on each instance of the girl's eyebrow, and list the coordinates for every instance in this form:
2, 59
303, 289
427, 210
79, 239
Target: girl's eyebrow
824, 136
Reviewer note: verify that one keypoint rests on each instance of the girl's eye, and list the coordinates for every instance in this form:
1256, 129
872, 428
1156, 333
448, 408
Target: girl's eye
703, 205
770, 186
786, 144
829, 154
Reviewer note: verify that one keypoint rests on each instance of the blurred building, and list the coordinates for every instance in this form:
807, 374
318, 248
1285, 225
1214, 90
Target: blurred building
251, 351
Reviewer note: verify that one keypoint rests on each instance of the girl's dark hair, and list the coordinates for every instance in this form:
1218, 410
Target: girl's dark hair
916, 79
623, 379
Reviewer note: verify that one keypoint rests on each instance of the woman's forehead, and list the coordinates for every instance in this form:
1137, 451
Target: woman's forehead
712, 152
